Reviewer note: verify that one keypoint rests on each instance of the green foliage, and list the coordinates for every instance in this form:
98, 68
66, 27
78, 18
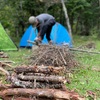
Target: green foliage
84, 15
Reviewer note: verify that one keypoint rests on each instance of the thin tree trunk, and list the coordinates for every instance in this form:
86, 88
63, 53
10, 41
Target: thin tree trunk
67, 18
99, 18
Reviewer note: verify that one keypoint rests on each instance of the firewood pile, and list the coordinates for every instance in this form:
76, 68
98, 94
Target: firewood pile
37, 83
43, 78
53, 55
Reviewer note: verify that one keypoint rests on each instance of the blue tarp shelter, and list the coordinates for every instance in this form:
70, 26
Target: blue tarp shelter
59, 35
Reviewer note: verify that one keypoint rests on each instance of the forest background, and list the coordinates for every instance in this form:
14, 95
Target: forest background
84, 15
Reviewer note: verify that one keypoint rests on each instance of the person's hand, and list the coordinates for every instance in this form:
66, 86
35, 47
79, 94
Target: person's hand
37, 41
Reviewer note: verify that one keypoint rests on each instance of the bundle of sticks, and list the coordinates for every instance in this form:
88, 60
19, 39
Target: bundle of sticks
53, 55
37, 83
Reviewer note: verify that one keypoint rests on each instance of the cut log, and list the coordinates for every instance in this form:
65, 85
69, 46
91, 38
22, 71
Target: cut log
48, 93
17, 83
34, 84
27, 98
51, 78
39, 69
3, 86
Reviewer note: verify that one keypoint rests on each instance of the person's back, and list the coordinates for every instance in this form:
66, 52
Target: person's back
44, 17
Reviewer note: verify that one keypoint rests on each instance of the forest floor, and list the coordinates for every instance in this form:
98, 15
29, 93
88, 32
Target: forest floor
85, 79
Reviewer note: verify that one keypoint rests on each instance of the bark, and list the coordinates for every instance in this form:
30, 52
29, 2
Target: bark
51, 78
26, 98
18, 83
2, 86
27, 84
47, 93
39, 69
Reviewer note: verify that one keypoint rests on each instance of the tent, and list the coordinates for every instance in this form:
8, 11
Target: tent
59, 35
5, 42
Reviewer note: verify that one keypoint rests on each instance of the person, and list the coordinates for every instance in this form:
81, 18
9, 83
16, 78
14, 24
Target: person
44, 23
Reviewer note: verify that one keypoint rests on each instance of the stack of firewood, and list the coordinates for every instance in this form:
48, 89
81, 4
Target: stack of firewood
37, 83
38, 77
43, 79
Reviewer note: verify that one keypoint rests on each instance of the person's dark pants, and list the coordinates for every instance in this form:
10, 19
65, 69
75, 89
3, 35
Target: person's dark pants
46, 29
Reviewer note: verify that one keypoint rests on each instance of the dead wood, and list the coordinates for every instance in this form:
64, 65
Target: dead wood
17, 82
51, 78
5, 64
4, 56
7, 61
28, 84
52, 94
82, 50
27, 98
39, 69
49, 93
4, 86
1, 53
53, 55
4, 71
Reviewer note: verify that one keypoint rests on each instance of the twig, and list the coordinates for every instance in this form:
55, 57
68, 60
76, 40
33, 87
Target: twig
5, 71
6, 64
62, 57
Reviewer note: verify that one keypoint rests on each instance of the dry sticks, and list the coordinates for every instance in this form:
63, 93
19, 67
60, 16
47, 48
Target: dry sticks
52, 55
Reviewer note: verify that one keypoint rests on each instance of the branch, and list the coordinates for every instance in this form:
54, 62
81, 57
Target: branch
81, 50
5, 71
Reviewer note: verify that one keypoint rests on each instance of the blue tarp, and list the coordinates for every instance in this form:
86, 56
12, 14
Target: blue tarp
59, 35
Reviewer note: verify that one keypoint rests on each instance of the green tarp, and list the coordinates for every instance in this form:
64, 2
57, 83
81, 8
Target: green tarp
5, 42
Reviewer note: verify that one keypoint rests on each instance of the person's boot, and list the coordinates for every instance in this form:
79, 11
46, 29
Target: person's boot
50, 42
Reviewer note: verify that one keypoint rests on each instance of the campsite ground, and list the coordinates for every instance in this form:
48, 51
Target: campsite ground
86, 78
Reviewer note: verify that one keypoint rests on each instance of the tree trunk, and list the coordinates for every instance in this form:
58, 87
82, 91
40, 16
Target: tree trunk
67, 18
